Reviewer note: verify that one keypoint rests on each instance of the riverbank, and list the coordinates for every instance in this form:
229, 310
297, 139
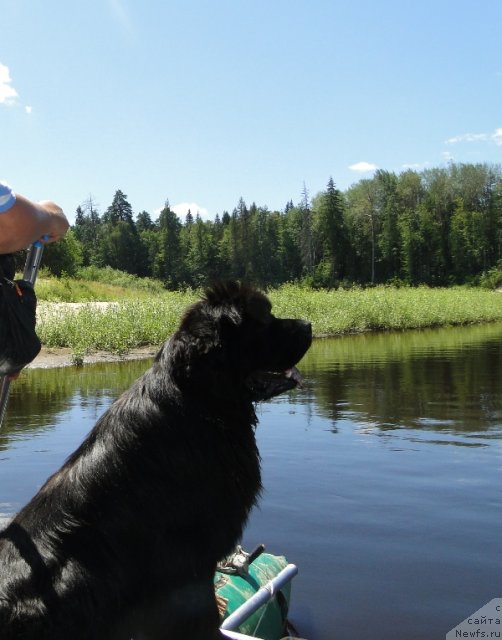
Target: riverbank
94, 331
64, 357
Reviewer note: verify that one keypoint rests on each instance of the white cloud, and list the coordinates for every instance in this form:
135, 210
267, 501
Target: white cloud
497, 136
28, 109
8, 94
363, 167
467, 137
447, 156
182, 208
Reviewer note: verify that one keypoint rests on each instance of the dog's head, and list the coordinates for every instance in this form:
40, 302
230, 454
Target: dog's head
230, 342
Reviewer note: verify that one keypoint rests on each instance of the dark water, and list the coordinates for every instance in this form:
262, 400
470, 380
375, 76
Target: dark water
383, 477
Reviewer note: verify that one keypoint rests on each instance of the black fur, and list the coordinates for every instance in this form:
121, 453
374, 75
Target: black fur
123, 540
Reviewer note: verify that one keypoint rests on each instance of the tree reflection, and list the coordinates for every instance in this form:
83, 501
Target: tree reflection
440, 380
40, 397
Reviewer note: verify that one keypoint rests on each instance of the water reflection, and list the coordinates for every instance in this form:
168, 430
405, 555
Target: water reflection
40, 397
446, 380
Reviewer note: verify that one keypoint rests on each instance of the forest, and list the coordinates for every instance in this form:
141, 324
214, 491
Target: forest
440, 226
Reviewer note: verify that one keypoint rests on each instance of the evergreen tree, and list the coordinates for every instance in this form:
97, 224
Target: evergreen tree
189, 218
79, 217
119, 245
169, 265
86, 229
144, 222
149, 240
434, 226
289, 243
145, 228
232, 238
202, 253
266, 247
244, 219
307, 247
119, 211
333, 232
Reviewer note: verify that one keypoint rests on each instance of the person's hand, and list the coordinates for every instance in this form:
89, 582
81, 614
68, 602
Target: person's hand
58, 224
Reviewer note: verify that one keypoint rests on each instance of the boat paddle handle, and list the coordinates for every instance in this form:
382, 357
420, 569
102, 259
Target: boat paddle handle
256, 553
33, 260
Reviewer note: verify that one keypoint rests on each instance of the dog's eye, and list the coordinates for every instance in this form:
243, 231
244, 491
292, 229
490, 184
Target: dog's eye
262, 320
260, 309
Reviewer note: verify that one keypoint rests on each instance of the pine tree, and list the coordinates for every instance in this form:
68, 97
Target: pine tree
169, 265
189, 218
307, 247
119, 210
119, 245
144, 222
87, 231
333, 231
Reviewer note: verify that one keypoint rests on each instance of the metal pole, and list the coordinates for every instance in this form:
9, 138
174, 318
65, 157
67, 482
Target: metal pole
4, 396
33, 260
261, 597
31, 267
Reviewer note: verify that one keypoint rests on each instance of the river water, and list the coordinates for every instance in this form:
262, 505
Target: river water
383, 476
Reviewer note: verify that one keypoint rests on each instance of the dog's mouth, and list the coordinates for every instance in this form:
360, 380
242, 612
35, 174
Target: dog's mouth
267, 384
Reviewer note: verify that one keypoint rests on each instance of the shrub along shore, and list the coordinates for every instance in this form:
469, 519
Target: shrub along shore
127, 323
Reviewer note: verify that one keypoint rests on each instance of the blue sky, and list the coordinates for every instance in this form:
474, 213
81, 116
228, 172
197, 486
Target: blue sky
204, 102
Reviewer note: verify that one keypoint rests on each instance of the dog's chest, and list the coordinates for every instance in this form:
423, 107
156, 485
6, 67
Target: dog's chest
233, 466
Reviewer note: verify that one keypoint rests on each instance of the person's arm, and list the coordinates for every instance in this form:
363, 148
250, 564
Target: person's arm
25, 222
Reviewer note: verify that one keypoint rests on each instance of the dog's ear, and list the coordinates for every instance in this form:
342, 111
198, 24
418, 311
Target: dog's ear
206, 323
199, 351
204, 332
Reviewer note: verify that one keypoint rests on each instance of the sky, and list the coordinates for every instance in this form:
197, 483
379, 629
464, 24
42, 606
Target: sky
201, 103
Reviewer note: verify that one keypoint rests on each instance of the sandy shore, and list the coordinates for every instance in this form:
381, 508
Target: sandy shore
49, 358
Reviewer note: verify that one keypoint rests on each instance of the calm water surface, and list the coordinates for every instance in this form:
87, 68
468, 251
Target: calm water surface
382, 476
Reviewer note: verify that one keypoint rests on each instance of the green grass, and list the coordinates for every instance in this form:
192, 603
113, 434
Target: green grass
116, 328
491, 279
96, 284
386, 308
137, 322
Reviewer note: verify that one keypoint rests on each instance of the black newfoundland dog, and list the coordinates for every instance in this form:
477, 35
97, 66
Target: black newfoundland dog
122, 541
